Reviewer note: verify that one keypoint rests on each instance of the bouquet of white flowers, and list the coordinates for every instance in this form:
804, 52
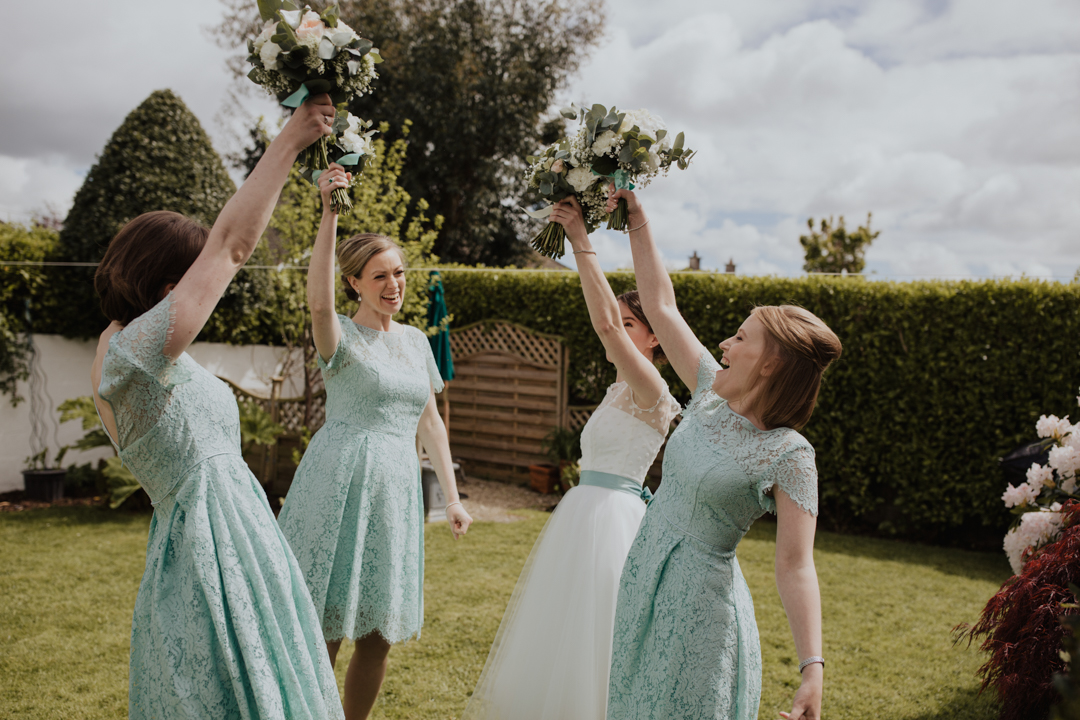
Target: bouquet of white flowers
1037, 502
300, 53
627, 149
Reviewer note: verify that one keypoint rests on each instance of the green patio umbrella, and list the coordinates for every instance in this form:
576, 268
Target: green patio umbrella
436, 313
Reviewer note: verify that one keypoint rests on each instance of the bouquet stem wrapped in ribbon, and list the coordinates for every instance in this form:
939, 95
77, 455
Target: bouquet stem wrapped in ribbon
300, 53
627, 149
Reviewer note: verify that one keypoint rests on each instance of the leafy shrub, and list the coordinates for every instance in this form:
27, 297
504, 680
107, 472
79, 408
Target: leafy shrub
937, 380
18, 283
1023, 630
160, 158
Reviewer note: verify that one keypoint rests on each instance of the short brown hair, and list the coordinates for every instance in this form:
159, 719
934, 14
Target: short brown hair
149, 253
802, 347
633, 301
354, 253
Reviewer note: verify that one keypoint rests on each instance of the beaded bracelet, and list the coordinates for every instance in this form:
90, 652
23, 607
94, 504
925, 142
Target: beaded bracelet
810, 661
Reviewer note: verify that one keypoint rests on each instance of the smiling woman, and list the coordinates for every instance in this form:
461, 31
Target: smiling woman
353, 513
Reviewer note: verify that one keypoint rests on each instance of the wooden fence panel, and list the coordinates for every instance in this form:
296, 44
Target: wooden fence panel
508, 392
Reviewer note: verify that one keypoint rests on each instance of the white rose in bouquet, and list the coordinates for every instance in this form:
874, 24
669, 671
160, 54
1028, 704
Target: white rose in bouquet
646, 122
310, 30
581, 179
354, 139
268, 53
605, 142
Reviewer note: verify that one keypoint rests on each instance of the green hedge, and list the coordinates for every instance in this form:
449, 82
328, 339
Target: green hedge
937, 380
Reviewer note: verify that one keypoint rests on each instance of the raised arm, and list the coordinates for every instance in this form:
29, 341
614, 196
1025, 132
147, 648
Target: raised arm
241, 223
607, 321
325, 327
681, 346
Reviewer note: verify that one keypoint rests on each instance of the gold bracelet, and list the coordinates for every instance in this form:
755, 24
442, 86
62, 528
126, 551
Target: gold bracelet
584, 252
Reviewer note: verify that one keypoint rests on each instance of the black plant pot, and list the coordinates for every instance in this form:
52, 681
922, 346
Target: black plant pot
44, 485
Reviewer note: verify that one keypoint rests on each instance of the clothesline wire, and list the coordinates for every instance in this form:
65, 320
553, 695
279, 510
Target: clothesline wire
35, 263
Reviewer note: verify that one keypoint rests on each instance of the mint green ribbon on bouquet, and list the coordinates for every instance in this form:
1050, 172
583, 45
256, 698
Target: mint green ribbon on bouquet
297, 98
620, 178
346, 161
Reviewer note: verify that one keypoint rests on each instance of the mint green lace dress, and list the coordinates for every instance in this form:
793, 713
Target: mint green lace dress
686, 642
223, 624
354, 513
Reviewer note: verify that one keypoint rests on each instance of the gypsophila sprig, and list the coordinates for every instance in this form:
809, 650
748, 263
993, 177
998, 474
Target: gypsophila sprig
300, 53
627, 149
1037, 502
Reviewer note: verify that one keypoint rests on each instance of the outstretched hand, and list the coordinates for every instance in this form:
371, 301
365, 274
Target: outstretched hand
807, 704
331, 179
568, 213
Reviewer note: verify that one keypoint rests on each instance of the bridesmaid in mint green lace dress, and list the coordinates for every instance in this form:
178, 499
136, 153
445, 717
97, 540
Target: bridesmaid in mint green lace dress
354, 513
224, 626
686, 643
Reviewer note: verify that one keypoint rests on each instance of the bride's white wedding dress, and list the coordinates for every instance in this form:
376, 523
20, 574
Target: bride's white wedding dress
551, 656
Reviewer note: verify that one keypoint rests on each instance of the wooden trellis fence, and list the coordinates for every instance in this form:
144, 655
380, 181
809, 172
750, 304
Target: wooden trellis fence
508, 392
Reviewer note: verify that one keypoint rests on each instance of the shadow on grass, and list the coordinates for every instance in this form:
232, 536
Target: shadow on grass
988, 566
75, 515
966, 704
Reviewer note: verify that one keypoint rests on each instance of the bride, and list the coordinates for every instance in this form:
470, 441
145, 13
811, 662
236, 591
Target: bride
551, 656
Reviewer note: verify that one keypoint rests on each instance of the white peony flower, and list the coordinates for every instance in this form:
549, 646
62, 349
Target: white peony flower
1049, 426
1035, 530
1065, 459
268, 53
646, 122
1037, 475
605, 142
1019, 496
581, 179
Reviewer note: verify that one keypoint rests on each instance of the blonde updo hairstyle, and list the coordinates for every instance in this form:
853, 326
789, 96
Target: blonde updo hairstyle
354, 254
801, 347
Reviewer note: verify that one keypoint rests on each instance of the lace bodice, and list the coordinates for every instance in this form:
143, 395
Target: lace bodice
719, 468
622, 438
380, 380
170, 414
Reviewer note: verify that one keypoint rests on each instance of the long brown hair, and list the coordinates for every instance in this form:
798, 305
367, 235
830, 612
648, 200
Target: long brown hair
354, 253
149, 253
800, 347
633, 302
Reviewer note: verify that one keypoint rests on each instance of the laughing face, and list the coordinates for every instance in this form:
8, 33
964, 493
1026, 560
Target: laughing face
744, 364
381, 285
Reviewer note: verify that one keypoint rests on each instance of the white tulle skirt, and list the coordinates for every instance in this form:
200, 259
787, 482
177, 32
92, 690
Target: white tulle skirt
551, 656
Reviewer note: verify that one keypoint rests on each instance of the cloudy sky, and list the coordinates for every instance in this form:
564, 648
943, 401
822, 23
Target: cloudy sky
957, 123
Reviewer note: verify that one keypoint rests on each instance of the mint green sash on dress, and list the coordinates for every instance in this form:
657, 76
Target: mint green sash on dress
614, 482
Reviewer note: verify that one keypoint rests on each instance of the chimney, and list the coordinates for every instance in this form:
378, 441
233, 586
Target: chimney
730, 267
695, 261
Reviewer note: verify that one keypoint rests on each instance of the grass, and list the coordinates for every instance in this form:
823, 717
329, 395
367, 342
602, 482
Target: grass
68, 587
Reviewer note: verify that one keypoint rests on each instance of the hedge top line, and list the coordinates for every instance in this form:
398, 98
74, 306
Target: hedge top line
1061, 279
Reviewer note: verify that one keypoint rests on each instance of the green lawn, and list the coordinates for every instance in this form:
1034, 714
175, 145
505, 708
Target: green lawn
70, 575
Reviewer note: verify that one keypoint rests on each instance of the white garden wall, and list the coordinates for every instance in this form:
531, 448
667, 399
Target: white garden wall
66, 364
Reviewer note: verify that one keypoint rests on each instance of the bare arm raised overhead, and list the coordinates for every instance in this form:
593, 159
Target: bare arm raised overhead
237, 230
609, 319
681, 346
325, 327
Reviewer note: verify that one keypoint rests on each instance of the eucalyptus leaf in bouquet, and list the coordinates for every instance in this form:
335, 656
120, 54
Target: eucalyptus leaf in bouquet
300, 53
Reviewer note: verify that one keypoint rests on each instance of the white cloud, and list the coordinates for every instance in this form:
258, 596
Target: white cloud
953, 122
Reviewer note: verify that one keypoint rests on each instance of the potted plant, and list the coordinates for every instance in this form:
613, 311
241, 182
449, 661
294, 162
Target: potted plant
43, 483
563, 447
